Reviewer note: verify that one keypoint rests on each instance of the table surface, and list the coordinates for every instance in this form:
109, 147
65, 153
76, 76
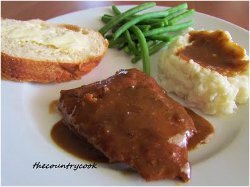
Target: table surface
236, 12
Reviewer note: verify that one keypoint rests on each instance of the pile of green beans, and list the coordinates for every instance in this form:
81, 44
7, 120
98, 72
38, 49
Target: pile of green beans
142, 35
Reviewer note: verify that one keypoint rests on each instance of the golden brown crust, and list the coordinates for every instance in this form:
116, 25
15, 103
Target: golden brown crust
29, 70
19, 69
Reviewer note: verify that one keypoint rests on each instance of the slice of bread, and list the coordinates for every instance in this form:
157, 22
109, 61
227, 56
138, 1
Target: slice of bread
43, 52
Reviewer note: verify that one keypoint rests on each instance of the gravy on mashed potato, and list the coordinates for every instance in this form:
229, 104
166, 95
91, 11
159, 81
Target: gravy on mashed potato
214, 50
207, 69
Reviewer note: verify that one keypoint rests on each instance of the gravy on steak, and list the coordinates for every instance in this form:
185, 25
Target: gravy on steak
79, 147
130, 119
204, 130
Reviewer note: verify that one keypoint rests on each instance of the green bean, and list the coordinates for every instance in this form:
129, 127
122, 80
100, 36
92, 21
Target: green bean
136, 59
113, 42
173, 38
171, 16
131, 44
144, 49
151, 43
174, 11
157, 25
136, 20
151, 21
157, 47
122, 38
164, 38
115, 28
120, 46
108, 16
117, 19
152, 50
144, 28
181, 16
168, 28
116, 10
165, 21
174, 14
126, 50
167, 18
178, 8
106, 19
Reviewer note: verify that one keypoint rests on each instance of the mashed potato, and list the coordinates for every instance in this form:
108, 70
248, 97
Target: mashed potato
202, 88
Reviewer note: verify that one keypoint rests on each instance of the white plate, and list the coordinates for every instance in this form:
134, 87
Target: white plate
26, 126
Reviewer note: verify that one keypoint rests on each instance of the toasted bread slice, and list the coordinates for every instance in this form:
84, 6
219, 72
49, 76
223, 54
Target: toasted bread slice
43, 52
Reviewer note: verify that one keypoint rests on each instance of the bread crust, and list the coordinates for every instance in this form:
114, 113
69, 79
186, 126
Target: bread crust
30, 70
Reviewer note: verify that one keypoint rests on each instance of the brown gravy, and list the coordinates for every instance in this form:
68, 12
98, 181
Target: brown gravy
204, 130
215, 51
75, 145
53, 107
80, 148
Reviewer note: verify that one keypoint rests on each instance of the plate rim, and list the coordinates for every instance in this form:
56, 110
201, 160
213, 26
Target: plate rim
157, 6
